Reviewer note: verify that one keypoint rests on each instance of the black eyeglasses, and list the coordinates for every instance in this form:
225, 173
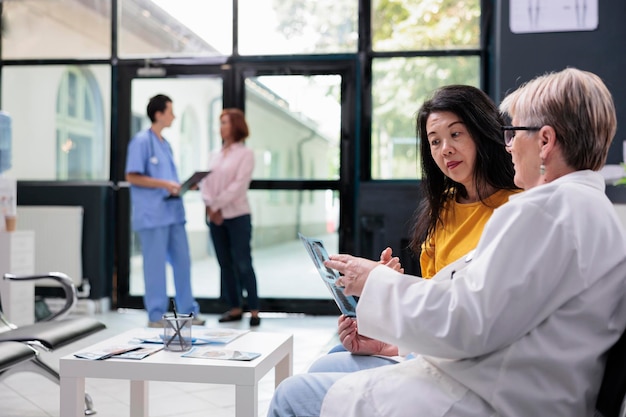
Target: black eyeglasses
509, 132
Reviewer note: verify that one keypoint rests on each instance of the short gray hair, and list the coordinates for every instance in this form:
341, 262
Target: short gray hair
577, 104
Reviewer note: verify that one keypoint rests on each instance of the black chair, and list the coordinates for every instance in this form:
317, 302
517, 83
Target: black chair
613, 387
49, 334
13, 355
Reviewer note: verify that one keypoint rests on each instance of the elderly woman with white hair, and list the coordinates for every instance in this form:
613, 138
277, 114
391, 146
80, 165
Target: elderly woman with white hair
521, 325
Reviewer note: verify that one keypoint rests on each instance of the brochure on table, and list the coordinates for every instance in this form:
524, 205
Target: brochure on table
129, 351
106, 352
142, 352
199, 336
226, 354
150, 341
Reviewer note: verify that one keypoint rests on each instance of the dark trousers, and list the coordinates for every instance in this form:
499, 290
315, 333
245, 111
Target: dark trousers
231, 240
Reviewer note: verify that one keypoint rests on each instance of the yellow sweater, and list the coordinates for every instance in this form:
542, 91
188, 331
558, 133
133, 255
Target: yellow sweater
462, 226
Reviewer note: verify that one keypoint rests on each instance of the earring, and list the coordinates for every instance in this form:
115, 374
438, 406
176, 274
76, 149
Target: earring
542, 168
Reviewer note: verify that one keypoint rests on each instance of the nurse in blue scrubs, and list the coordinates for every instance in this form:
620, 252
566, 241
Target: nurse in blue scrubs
159, 221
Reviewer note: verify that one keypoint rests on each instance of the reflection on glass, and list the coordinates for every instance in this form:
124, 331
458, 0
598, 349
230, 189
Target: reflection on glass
295, 125
175, 28
274, 27
282, 265
80, 130
56, 29
71, 134
425, 25
399, 86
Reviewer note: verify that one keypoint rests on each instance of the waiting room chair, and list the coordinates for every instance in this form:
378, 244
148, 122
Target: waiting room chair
613, 387
49, 334
13, 355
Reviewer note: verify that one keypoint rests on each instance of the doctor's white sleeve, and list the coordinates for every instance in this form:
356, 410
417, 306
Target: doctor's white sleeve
524, 267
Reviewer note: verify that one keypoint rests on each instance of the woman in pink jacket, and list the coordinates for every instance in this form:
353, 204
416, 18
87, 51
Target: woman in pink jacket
224, 192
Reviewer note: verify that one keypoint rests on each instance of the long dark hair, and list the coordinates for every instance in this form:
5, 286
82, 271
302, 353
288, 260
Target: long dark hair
493, 166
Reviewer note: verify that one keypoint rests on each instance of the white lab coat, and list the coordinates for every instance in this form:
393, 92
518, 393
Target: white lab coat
524, 321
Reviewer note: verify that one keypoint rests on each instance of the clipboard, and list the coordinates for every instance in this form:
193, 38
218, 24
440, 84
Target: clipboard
195, 178
318, 254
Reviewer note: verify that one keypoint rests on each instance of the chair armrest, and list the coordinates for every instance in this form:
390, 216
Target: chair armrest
66, 283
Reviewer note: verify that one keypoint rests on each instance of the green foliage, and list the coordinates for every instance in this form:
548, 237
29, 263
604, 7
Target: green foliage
621, 181
326, 25
399, 85
387, 16
402, 84
425, 25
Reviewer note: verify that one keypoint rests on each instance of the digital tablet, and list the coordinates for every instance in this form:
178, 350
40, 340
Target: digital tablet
318, 254
195, 178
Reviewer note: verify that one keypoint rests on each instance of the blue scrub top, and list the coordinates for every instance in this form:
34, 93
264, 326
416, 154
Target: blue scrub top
147, 155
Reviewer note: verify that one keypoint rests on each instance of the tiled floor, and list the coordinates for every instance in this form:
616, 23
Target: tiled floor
30, 394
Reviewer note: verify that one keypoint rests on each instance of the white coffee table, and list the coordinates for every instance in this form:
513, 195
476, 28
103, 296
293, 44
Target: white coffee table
276, 352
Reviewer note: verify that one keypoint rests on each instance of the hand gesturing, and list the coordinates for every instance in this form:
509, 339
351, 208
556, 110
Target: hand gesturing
359, 344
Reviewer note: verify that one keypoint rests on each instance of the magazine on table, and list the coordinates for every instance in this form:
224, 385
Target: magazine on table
201, 336
140, 353
219, 335
106, 352
226, 354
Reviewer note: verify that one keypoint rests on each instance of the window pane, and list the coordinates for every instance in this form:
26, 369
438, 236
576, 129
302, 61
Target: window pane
273, 27
56, 29
277, 217
401, 25
399, 87
72, 138
295, 126
162, 28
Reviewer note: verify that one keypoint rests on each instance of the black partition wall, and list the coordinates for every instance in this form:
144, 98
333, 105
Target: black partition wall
518, 57
97, 201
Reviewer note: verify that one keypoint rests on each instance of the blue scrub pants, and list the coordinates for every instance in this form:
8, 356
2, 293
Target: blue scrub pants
158, 246
231, 240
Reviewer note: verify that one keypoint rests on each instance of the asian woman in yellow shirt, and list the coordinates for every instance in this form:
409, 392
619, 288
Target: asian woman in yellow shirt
466, 174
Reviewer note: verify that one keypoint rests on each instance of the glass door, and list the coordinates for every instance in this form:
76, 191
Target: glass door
295, 125
298, 123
